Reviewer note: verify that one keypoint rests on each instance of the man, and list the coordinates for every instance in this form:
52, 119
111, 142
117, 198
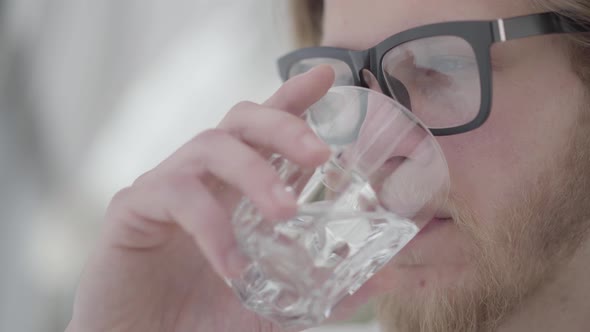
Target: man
512, 253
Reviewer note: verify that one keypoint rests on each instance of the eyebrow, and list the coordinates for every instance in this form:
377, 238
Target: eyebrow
344, 44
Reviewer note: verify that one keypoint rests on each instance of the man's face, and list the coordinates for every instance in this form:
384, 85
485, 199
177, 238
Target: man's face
516, 211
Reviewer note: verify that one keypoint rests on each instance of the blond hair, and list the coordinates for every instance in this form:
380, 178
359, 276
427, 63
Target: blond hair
307, 21
308, 14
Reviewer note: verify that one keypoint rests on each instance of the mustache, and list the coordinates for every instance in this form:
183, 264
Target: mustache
464, 217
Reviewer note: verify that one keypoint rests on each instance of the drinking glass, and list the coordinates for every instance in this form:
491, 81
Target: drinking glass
385, 180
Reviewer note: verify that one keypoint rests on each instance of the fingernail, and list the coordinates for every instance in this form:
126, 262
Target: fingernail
311, 142
283, 195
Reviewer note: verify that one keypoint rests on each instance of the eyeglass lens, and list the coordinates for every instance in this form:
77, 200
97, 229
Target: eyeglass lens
437, 78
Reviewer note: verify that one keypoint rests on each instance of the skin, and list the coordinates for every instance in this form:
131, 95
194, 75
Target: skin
524, 136
167, 238
494, 151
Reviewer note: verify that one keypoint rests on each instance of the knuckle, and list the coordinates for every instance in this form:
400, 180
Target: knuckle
202, 147
234, 120
142, 179
209, 136
178, 182
266, 175
122, 194
241, 106
291, 129
238, 130
120, 200
300, 131
253, 162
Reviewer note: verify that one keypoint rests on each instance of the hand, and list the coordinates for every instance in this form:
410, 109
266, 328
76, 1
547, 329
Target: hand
167, 239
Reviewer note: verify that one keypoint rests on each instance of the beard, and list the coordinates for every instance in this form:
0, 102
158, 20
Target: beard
513, 257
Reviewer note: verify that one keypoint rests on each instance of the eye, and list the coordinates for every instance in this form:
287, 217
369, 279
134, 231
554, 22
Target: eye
447, 64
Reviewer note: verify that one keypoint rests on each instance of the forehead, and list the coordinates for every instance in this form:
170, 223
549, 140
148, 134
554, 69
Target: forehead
358, 24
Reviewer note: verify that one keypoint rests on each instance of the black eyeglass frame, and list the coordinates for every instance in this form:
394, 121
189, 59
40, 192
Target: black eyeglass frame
479, 34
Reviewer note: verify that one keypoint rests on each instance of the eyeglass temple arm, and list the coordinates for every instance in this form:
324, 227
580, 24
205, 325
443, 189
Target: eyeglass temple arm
535, 25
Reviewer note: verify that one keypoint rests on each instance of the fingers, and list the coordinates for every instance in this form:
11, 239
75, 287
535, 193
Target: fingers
142, 214
273, 130
302, 91
177, 194
276, 125
217, 153
174, 194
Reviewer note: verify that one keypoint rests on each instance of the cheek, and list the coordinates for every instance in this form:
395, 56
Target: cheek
527, 129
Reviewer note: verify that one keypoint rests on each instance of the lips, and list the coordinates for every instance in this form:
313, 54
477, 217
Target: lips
433, 225
442, 216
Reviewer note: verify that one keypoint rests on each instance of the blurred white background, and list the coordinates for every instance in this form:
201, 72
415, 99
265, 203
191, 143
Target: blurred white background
94, 93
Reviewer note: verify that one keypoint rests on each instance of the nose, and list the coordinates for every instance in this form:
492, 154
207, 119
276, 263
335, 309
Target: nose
398, 156
389, 131
371, 81
399, 92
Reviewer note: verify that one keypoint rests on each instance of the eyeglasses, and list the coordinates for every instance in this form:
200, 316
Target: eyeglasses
441, 72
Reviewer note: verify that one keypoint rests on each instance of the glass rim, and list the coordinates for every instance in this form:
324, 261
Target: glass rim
346, 89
